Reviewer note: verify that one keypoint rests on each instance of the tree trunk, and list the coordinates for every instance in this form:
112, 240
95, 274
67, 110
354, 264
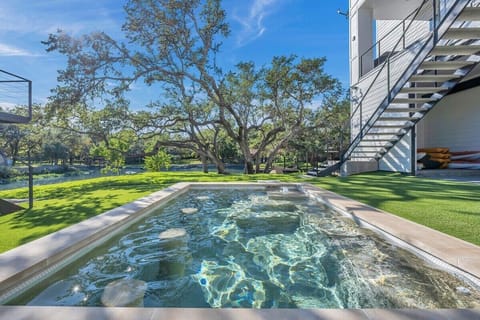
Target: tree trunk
249, 166
220, 167
217, 161
257, 167
258, 162
247, 158
271, 157
203, 158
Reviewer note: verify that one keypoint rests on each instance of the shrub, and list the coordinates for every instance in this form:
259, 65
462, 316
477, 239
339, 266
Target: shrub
158, 161
8, 172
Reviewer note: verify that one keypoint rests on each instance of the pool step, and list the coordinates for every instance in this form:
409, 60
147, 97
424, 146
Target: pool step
290, 194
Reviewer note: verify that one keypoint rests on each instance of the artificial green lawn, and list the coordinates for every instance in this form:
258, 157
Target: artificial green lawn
59, 205
447, 206
450, 207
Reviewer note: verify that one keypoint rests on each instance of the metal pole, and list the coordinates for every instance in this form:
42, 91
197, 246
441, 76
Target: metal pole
30, 100
30, 180
413, 142
388, 79
361, 120
361, 65
379, 54
435, 22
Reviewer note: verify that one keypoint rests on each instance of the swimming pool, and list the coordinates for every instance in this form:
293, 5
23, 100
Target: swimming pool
271, 248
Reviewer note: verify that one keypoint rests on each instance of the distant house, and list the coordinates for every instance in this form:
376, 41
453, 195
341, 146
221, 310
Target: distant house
415, 81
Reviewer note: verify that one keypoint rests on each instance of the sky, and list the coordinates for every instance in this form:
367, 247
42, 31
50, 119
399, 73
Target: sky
260, 30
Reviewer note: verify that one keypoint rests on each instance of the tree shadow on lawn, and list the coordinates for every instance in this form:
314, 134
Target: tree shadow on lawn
81, 202
63, 213
67, 204
52, 217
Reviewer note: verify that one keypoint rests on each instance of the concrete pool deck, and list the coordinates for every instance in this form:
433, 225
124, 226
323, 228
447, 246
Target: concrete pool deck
52, 252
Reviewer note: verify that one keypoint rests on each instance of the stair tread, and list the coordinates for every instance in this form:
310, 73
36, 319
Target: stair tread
378, 140
403, 125
396, 118
455, 50
384, 133
424, 90
462, 33
367, 152
406, 109
433, 77
413, 100
445, 65
469, 14
373, 146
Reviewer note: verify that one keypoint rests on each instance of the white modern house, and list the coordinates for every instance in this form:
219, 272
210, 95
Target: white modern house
415, 81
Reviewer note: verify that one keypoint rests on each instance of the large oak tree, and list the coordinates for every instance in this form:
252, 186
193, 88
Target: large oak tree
172, 45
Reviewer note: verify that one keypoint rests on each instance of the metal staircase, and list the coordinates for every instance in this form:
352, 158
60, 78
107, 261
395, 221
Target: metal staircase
414, 76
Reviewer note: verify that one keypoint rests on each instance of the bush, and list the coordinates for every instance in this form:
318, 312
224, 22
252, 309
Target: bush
8, 172
158, 161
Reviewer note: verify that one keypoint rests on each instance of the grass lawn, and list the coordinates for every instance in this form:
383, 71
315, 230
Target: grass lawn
59, 205
450, 207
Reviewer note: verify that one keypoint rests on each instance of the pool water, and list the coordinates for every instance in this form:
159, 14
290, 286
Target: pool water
253, 249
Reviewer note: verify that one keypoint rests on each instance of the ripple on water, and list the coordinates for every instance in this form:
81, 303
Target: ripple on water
246, 250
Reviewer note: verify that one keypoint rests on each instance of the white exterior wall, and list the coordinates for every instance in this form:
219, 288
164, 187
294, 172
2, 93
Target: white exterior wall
417, 29
361, 39
387, 14
454, 123
398, 159
362, 14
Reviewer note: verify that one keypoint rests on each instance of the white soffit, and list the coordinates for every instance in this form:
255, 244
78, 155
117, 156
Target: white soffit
391, 9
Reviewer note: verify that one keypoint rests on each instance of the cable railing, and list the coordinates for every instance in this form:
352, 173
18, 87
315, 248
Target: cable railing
373, 92
397, 63
378, 52
15, 91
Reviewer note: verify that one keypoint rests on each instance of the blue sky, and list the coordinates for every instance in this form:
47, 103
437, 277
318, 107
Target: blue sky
260, 29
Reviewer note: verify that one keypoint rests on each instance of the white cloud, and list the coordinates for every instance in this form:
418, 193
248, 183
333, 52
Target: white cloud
73, 16
253, 23
8, 50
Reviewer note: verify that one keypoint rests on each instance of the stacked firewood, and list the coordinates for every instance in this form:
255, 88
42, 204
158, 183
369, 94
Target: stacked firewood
434, 158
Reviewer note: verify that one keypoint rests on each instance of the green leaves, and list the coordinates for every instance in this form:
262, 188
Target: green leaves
172, 46
158, 161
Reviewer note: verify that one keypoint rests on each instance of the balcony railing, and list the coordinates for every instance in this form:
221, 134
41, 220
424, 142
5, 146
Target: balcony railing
15, 92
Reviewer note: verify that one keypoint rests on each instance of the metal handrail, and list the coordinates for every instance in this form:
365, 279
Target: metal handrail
433, 35
17, 78
418, 10
402, 23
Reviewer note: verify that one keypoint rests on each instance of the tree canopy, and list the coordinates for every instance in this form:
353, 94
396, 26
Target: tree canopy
173, 47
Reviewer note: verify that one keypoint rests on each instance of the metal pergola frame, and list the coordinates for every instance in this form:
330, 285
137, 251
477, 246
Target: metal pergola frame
8, 118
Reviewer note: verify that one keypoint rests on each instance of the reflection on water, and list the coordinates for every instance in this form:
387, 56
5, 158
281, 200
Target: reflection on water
244, 249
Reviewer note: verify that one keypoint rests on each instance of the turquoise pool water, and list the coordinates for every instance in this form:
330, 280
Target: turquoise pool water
260, 249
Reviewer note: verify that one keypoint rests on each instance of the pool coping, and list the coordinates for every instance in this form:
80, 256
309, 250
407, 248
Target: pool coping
41, 255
